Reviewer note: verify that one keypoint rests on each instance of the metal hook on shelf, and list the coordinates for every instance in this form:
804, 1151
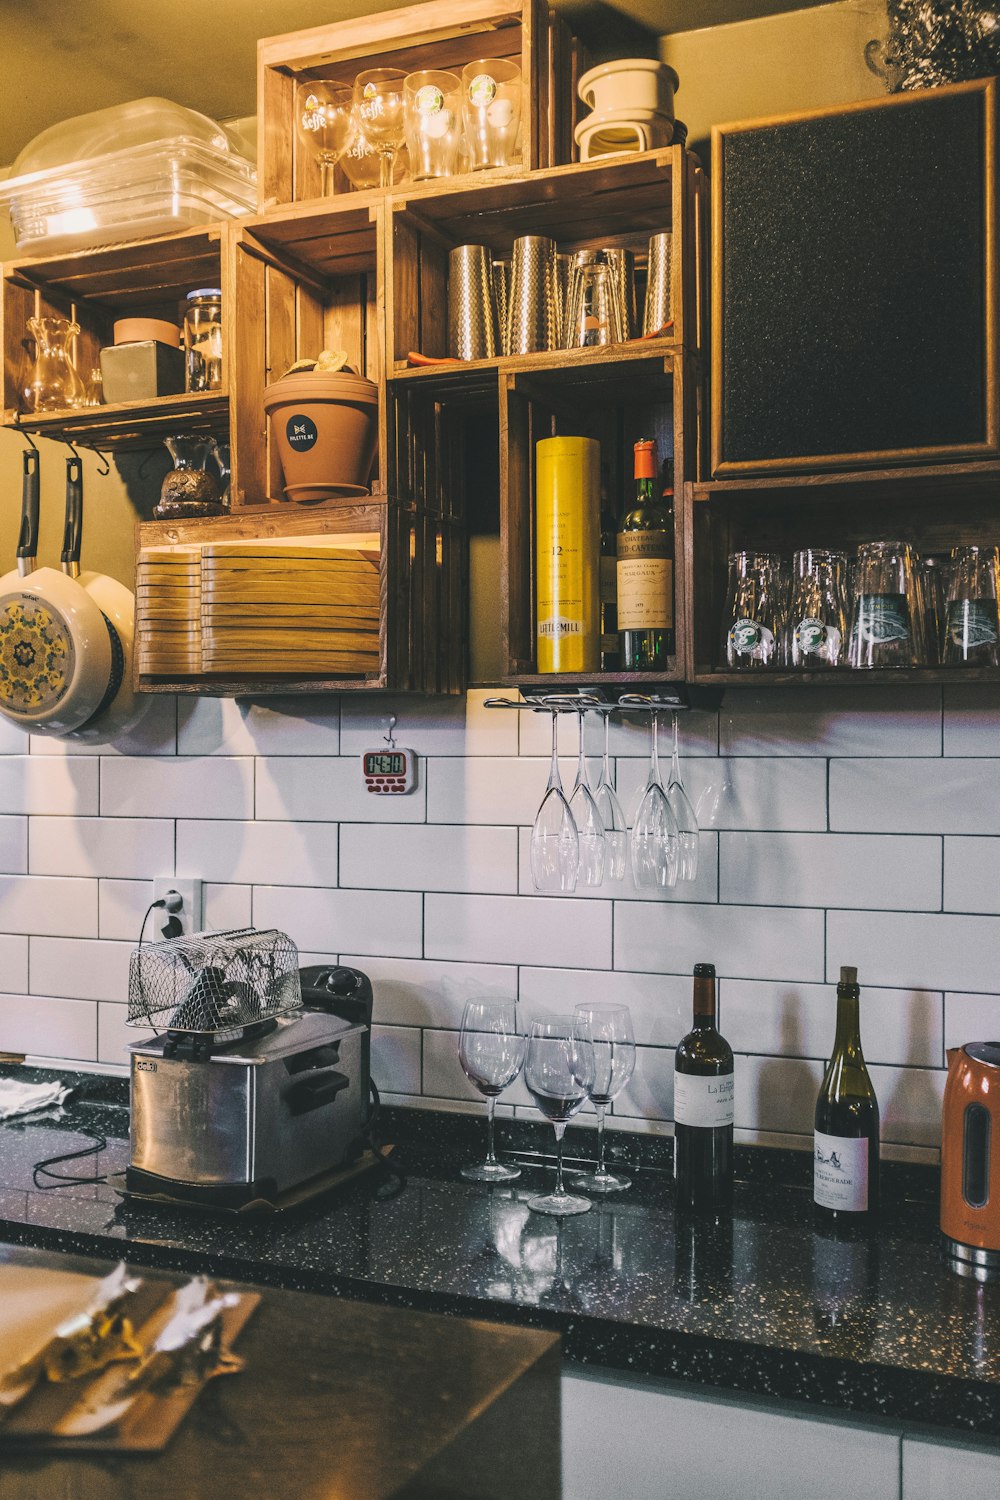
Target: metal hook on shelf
390, 738
105, 460
26, 435
72, 448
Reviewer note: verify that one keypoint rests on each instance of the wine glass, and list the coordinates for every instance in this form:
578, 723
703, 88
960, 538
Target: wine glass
655, 836
610, 810
491, 1051
380, 112
589, 825
607, 1030
558, 1071
325, 123
555, 844
684, 814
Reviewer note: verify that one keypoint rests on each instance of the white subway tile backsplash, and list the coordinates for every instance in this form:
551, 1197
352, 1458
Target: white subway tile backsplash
909, 1101
519, 930
429, 857
122, 847
281, 726
45, 1026
48, 905
830, 721
154, 734
649, 1093
226, 906
741, 794
380, 922
704, 888
660, 1004
114, 1036
444, 1078
488, 790
971, 719
915, 796
79, 968
264, 853
777, 1094
904, 1027
830, 870
13, 964
185, 787
327, 791
743, 941
919, 951
424, 992
122, 906
971, 1018
63, 785
396, 1059
13, 845
430, 726
972, 875
13, 741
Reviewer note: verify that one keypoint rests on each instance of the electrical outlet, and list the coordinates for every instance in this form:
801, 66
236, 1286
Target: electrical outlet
190, 914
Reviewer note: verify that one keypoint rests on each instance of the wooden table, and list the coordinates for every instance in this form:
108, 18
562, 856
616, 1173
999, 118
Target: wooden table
339, 1401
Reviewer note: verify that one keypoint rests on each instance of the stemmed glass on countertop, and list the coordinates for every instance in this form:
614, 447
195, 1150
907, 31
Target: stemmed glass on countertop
654, 831
589, 824
607, 1029
380, 111
684, 815
558, 1071
491, 1051
612, 817
555, 843
325, 123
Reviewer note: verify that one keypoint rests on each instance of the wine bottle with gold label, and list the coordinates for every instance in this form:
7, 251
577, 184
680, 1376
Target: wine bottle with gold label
645, 568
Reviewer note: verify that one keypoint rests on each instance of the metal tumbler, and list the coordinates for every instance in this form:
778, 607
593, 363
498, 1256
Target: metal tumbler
622, 263
533, 313
472, 320
501, 297
658, 308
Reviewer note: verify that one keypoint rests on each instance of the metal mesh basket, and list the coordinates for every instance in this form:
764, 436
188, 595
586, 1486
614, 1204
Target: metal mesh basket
213, 981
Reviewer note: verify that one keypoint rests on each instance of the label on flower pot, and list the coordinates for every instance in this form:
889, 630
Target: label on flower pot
301, 433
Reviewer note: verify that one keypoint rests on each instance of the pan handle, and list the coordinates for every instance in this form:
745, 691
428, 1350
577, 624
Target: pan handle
27, 542
73, 532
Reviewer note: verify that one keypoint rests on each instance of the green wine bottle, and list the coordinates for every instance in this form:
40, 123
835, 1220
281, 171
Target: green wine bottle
846, 1140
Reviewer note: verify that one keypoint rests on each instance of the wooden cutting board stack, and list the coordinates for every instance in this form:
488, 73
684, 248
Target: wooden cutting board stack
168, 611
305, 605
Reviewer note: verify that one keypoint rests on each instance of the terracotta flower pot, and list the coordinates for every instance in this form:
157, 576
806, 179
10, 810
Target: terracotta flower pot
326, 431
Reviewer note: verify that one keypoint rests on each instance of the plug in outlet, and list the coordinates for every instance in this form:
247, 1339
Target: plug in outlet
190, 914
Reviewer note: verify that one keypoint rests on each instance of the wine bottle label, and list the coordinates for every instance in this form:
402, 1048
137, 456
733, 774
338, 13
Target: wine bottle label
705, 1102
751, 639
883, 618
840, 1172
814, 638
973, 622
645, 577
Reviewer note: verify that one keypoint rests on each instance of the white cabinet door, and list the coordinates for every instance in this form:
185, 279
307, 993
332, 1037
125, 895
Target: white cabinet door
934, 1471
638, 1440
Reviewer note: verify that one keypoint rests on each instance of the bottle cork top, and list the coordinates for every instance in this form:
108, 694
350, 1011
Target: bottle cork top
704, 971
848, 975
645, 458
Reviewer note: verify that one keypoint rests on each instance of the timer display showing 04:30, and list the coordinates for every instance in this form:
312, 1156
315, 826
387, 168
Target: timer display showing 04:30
391, 771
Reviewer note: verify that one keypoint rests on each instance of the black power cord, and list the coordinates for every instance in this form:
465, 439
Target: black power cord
388, 1188
41, 1169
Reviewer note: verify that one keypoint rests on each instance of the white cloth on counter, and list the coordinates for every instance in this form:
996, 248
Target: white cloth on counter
21, 1098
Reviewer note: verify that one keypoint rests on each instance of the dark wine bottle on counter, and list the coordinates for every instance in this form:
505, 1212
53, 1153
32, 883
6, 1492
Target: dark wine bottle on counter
846, 1141
703, 1105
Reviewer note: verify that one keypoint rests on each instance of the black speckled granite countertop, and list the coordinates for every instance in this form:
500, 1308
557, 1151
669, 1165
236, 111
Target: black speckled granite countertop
760, 1303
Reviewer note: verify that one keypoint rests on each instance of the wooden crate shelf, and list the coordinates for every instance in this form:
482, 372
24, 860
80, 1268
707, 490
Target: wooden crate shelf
619, 202
443, 34
131, 424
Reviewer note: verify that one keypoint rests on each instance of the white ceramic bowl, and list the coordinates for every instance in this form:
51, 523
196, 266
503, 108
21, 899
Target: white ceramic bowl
638, 84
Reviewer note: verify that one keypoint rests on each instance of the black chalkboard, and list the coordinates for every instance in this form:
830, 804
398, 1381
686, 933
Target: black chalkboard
851, 313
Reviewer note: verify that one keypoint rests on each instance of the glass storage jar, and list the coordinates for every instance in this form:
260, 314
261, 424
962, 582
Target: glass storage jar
203, 340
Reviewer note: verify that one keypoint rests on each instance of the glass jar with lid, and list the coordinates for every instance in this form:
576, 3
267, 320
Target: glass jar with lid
203, 340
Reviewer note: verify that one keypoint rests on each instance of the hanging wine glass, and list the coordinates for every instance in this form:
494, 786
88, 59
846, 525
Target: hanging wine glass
555, 844
654, 831
589, 825
325, 123
615, 827
687, 822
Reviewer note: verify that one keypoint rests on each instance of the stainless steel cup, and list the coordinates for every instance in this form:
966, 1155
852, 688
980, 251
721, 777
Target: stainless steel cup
622, 263
533, 312
501, 296
472, 320
658, 307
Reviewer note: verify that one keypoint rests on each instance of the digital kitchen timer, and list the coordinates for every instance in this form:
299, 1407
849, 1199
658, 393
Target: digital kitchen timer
390, 771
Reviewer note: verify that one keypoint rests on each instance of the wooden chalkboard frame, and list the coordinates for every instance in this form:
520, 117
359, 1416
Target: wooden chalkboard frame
726, 465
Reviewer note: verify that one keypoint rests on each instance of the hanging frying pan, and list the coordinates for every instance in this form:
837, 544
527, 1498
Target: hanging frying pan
56, 648
121, 708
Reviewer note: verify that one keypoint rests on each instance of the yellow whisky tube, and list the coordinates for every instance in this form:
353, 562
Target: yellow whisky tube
567, 554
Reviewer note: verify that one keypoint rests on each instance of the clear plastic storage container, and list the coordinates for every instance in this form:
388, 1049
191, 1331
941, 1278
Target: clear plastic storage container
171, 169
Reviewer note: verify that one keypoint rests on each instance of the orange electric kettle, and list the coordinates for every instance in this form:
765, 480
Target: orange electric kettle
970, 1160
